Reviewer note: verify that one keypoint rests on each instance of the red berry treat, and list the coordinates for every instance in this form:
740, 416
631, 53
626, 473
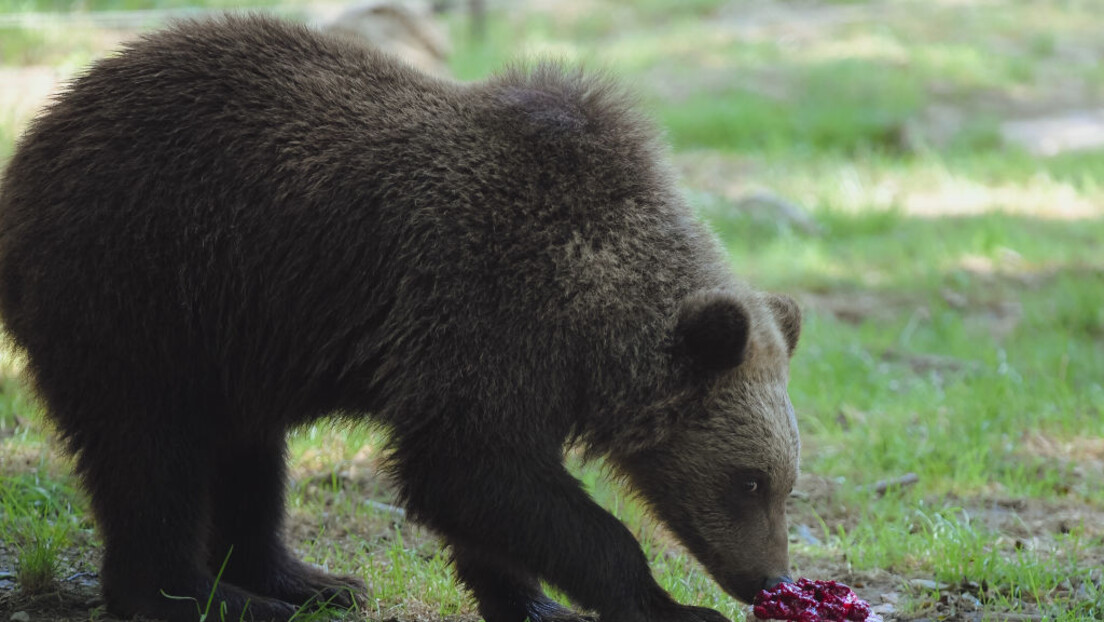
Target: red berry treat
811, 601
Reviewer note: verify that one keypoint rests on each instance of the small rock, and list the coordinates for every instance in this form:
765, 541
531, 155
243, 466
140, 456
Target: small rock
20, 616
884, 609
806, 535
926, 584
969, 601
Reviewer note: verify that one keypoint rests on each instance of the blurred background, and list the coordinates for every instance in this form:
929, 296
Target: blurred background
925, 176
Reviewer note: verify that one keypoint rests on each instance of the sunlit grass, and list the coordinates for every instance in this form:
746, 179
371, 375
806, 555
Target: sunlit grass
927, 184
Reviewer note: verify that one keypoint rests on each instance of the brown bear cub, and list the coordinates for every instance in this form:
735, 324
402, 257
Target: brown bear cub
237, 226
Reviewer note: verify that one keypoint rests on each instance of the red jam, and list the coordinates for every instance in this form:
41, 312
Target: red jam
811, 601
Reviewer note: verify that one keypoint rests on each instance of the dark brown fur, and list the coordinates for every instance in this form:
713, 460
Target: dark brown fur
238, 226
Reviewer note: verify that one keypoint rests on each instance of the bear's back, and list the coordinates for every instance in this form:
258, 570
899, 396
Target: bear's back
294, 209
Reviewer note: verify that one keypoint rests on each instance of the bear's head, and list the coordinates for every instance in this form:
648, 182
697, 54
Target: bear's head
720, 480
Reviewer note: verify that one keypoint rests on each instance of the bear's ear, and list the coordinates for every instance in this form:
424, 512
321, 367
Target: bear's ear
788, 315
713, 330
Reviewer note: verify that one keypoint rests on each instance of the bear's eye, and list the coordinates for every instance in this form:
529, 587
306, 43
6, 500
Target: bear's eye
744, 484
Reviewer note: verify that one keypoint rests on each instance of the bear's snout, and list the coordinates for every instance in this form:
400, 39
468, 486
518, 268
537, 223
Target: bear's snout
746, 587
771, 582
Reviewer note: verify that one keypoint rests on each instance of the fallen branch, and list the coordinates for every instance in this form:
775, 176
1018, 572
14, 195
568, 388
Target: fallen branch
395, 511
882, 486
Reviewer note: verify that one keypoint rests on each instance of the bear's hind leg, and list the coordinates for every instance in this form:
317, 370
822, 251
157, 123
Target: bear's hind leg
506, 593
247, 494
146, 480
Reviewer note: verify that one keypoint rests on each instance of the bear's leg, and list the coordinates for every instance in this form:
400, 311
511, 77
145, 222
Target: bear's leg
521, 505
506, 593
147, 482
247, 494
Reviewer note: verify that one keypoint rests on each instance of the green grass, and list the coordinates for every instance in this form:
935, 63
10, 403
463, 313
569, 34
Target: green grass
37, 519
953, 290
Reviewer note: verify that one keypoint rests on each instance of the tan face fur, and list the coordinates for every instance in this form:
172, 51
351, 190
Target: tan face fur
721, 482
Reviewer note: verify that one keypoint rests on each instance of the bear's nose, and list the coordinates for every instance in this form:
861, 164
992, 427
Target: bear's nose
770, 582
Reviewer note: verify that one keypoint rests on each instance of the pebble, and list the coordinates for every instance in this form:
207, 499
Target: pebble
926, 584
20, 616
884, 609
969, 601
806, 535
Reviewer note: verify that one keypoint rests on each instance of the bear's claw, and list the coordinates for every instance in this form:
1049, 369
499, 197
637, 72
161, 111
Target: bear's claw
547, 610
308, 587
